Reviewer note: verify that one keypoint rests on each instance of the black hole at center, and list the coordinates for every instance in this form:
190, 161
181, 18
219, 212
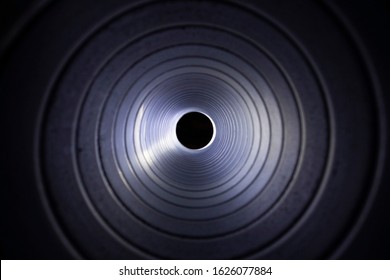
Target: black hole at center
194, 130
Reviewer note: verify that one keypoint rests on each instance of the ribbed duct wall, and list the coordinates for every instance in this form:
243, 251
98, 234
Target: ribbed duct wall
283, 164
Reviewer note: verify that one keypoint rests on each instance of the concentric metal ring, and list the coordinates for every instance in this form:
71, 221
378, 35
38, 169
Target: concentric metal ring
283, 160
205, 194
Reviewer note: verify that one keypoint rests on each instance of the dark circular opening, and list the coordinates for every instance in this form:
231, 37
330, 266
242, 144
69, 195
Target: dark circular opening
194, 130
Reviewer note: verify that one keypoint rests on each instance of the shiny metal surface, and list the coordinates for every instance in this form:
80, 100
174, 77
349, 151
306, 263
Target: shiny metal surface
297, 128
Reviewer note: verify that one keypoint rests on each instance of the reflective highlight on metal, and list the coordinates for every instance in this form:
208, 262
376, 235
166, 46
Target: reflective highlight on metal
290, 162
